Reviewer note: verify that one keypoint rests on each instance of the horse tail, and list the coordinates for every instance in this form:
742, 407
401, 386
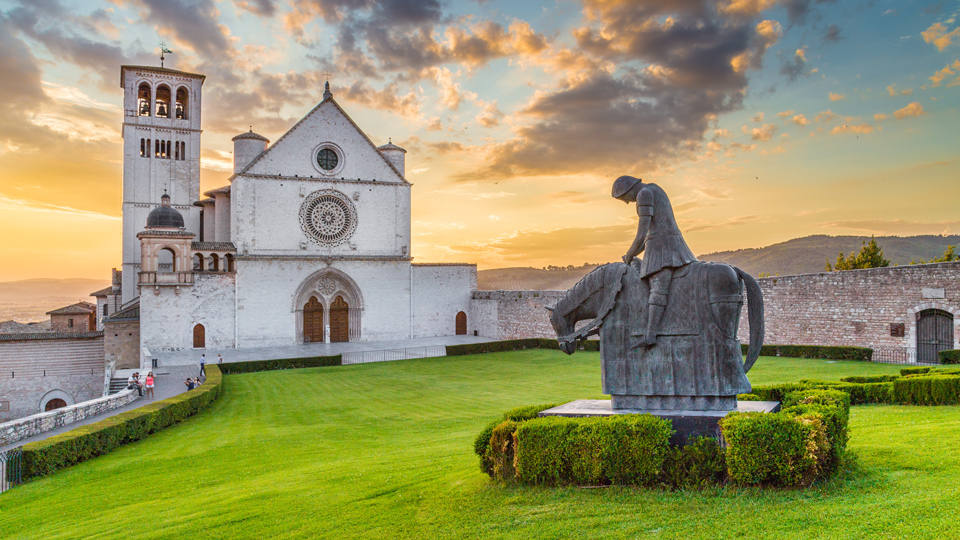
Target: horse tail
755, 314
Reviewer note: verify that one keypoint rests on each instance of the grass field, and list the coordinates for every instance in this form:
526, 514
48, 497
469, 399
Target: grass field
385, 451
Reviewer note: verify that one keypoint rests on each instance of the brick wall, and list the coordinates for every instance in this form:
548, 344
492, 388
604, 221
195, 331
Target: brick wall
121, 342
80, 323
513, 314
857, 307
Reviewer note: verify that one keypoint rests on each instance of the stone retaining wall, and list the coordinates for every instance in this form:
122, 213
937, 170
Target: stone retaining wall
513, 314
23, 428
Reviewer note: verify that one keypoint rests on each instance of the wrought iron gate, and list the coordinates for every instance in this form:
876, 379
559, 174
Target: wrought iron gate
934, 334
10, 469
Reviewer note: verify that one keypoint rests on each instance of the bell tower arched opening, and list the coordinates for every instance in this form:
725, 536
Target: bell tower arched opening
143, 99
163, 101
180, 110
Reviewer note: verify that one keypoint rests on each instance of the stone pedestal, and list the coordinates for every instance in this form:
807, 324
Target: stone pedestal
686, 424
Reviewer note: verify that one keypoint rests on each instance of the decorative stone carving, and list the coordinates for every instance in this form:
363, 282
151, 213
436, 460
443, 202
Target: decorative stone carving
328, 217
327, 286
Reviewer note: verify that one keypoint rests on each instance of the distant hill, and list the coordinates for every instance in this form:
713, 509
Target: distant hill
809, 254
30, 299
798, 256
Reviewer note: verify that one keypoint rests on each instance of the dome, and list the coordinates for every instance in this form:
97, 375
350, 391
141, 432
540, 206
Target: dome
165, 215
251, 135
390, 146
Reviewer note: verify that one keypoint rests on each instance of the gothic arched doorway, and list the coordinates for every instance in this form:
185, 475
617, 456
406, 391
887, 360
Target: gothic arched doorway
934, 334
313, 321
461, 323
339, 321
55, 403
199, 337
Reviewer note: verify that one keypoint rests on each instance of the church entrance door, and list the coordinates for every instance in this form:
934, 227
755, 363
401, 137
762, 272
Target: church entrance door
339, 321
313, 321
199, 337
461, 324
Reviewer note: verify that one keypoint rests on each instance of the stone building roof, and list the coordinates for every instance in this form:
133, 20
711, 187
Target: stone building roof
106, 291
391, 146
164, 215
14, 327
251, 135
223, 189
129, 313
80, 308
50, 335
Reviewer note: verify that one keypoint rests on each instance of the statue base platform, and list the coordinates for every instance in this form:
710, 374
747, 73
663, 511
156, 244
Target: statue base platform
686, 424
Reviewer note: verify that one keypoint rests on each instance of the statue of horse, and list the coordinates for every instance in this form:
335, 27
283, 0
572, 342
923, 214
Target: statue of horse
696, 364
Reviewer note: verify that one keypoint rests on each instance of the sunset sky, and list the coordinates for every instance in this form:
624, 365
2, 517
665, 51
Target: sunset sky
764, 120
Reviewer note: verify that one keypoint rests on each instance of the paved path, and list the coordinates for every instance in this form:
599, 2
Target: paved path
192, 357
176, 366
168, 383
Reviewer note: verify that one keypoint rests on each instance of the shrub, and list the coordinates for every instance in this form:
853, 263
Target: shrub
950, 357
285, 363
87, 442
501, 346
698, 464
622, 449
914, 371
748, 397
482, 443
935, 389
529, 412
500, 454
824, 352
865, 393
869, 378
832, 407
770, 449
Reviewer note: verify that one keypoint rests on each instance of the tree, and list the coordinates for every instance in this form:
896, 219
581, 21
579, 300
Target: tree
949, 255
870, 256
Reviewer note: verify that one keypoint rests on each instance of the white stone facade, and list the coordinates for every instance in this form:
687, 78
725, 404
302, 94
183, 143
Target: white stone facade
320, 217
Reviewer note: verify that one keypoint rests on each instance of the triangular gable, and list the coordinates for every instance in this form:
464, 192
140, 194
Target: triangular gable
298, 142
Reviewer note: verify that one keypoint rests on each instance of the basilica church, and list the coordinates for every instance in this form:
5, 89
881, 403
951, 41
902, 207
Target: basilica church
309, 241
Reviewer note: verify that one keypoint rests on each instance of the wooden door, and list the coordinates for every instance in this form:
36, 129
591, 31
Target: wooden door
199, 337
313, 321
339, 321
934, 334
461, 323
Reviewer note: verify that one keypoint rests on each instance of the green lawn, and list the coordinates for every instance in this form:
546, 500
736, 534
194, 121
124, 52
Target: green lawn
385, 451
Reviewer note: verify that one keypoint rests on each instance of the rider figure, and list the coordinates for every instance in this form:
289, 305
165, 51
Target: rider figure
658, 236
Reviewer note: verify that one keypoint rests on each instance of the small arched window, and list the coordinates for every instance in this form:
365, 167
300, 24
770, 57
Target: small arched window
105, 306
143, 99
182, 103
143, 150
228, 263
163, 101
166, 260
156, 148
214, 263
176, 150
198, 263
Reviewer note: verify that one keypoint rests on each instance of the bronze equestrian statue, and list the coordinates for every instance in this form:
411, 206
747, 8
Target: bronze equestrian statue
667, 324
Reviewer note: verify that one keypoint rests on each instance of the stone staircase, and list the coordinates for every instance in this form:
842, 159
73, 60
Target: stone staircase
117, 384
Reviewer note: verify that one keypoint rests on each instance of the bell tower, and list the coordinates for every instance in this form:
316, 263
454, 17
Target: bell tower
161, 153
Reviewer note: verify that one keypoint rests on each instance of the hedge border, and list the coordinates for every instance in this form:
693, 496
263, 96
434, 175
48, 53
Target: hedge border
950, 357
254, 366
83, 443
822, 352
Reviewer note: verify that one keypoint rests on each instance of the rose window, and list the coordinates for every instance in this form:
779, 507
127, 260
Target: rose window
328, 217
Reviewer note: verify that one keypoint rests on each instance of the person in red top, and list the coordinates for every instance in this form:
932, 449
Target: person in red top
149, 384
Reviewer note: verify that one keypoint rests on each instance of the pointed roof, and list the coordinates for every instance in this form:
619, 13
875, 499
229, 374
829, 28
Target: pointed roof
327, 99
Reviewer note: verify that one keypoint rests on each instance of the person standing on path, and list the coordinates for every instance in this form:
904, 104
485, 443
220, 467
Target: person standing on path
149, 384
203, 362
219, 358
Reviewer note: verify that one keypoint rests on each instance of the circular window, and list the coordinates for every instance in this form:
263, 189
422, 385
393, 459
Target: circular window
327, 159
328, 217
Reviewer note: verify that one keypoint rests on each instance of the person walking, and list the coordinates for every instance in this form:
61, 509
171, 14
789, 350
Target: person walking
203, 362
219, 359
149, 384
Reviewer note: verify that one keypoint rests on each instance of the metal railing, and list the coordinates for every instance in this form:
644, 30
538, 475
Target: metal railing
897, 355
391, 355
11, 471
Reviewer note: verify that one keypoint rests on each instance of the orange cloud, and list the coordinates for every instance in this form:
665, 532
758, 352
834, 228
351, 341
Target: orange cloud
837, 97
913, 109
800, 120
880, 116
938, 35
862, 128
894, 92
946, 73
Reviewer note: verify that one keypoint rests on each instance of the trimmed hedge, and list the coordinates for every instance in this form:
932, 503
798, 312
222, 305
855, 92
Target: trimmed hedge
914, 371
869, 378
950, 357
623, 449
862, 354
935, 389
804, 442
284, 363
516, 345
87, 442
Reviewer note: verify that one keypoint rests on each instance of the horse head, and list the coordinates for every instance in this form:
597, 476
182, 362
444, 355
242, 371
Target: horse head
562, 327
